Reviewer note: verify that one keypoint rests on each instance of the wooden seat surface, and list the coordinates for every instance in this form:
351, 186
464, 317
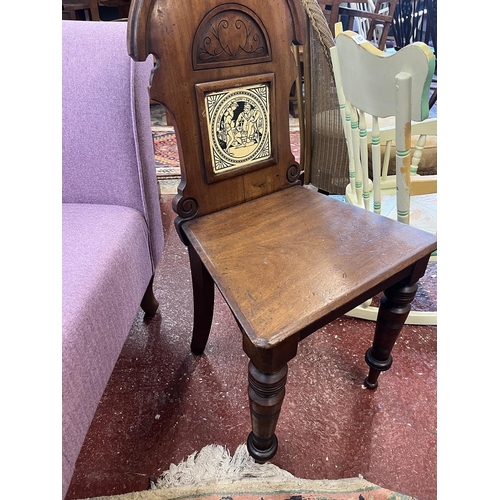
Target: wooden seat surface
279, 281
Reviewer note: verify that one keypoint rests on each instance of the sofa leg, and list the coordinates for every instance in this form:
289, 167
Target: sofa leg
149, 304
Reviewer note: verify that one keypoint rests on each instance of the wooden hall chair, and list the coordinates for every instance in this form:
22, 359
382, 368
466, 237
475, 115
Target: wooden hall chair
287, 259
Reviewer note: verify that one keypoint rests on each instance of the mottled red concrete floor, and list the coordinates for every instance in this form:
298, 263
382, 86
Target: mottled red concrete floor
162, 403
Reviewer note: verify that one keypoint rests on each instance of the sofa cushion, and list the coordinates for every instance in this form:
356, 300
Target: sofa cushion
106, 267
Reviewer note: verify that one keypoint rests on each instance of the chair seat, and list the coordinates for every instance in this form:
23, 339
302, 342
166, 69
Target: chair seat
273, 276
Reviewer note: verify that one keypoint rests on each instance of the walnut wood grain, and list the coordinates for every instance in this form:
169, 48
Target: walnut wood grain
290, 260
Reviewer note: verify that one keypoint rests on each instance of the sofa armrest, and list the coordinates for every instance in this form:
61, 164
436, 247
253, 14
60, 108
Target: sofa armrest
104, 150
107, 145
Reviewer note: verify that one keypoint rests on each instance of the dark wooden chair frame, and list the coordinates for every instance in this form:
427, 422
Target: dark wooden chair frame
287, 259
338, 12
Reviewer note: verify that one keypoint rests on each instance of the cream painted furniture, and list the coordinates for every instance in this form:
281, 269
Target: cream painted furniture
369, 141
397, 94
324, 156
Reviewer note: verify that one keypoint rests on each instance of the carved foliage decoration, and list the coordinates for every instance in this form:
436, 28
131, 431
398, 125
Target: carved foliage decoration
228, 36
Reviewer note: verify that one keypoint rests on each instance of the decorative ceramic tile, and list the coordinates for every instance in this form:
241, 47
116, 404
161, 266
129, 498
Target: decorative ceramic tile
239, 127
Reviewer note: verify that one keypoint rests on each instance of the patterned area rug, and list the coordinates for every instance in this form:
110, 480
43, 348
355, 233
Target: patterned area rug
213, 474
167, 155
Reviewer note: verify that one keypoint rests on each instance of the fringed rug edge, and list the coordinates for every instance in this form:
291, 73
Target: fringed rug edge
213, 474
319, 488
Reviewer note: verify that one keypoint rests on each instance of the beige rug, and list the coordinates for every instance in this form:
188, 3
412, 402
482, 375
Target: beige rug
213, 474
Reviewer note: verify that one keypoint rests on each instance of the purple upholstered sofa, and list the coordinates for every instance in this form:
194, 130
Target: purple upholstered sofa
112, 232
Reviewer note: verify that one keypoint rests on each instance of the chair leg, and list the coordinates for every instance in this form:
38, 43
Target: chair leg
266, 392
394, 308
203, 298
149, 304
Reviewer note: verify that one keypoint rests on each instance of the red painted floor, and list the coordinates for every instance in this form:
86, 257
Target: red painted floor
162, 403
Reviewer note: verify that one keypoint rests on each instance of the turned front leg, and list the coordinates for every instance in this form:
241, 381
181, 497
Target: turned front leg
266, 392
394, 308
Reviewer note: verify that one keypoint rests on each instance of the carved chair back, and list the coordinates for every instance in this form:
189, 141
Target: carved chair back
228, 94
